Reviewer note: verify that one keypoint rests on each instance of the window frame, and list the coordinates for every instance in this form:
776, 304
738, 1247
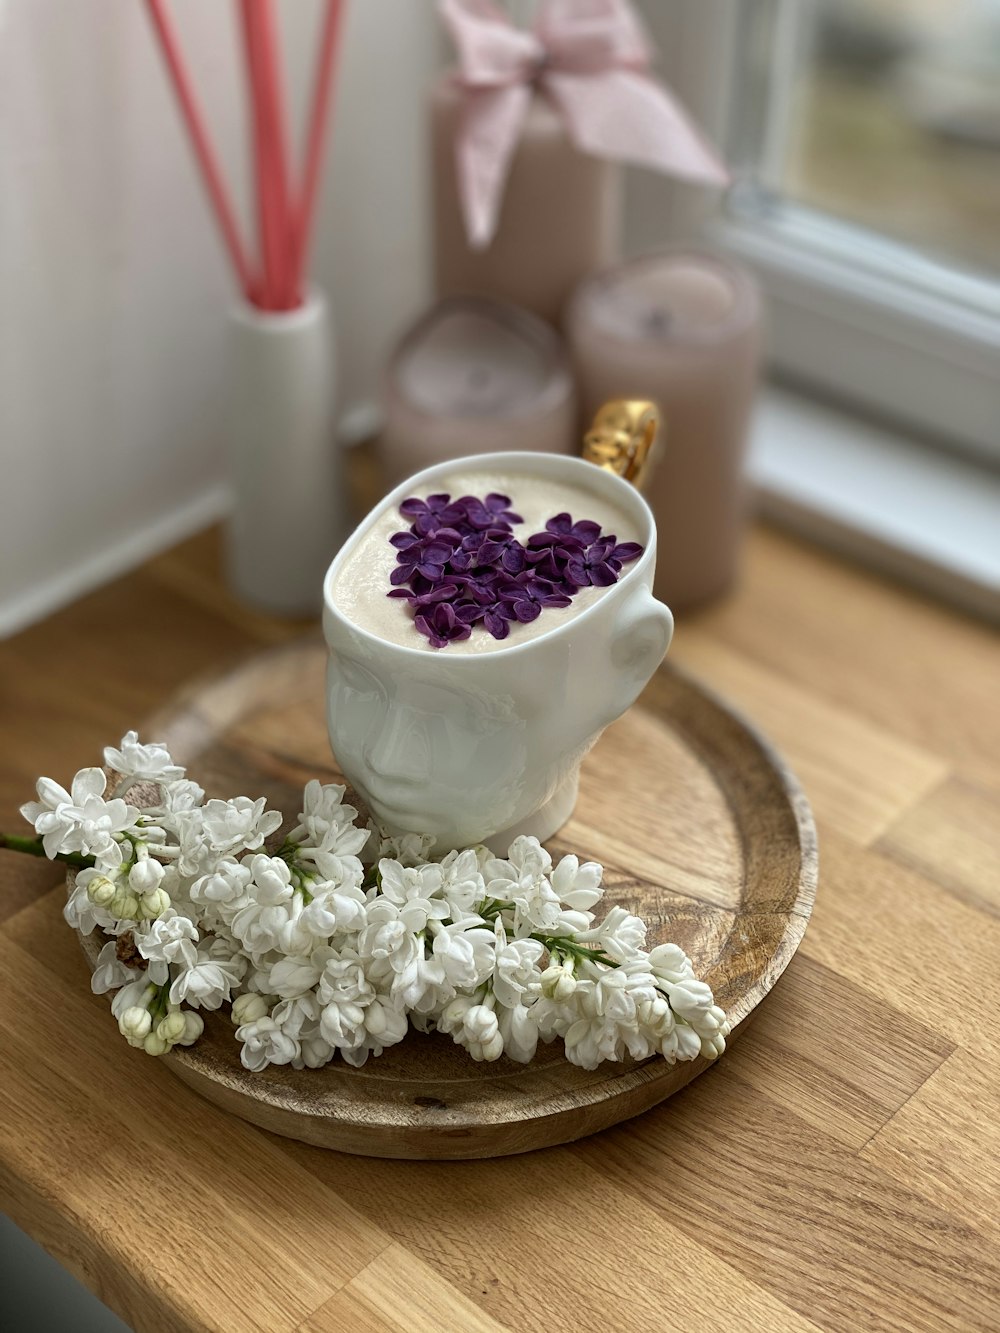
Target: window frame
853, 315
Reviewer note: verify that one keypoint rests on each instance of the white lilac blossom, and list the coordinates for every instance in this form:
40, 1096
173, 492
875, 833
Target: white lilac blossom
170, 939
221, 829
417, 892
85, 909
81, 821
152, 761
111, 971
297, 974
516, 974
204, 904
264, 1043
462, 884
326, 840
409, 849
48, 814
522, 879
181, 795
218, 968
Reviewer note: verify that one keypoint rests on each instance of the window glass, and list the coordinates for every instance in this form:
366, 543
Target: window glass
893, 122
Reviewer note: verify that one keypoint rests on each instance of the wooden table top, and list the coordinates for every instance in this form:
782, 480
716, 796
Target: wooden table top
838, 1169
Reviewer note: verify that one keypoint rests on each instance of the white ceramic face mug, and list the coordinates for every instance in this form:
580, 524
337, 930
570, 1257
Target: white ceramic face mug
477, 748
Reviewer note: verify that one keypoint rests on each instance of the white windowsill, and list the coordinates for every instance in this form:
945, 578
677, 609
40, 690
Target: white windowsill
904, 509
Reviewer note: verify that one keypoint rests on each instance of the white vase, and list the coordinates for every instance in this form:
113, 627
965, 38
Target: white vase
289, 514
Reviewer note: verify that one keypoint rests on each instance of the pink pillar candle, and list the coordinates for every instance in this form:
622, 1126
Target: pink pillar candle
681, 328
559, 217
471, 377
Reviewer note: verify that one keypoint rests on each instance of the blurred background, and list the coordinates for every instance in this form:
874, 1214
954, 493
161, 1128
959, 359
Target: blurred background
863, 137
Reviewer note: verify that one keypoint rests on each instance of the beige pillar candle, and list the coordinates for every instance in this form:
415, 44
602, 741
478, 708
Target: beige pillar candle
681, 328
559, 217
473, 376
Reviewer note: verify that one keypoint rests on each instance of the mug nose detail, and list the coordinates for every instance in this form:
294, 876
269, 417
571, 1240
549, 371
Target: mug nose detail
393, 751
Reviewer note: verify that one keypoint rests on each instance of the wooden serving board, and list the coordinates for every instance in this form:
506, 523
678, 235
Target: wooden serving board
702, 831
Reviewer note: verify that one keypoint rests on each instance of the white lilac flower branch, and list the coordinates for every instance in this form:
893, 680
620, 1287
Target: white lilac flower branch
341, 938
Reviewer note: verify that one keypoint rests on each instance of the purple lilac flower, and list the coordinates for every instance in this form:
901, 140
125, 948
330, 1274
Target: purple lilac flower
480, 585
595, 567
426, 556
497, 618
562, 525
460, 565
528, 595
493, 512
442, 625
437, 511
626, 552
548, 553
469, 613
495, 546
429, 593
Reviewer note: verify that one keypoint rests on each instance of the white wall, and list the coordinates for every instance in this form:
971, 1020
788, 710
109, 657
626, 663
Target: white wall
113, 284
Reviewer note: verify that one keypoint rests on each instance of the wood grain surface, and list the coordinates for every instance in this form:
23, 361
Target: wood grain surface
836, 1170
701, 830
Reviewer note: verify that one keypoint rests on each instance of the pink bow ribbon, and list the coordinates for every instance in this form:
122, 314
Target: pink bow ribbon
591, 59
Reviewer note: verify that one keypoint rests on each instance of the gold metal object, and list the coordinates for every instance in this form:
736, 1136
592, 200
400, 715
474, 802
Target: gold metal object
622, 437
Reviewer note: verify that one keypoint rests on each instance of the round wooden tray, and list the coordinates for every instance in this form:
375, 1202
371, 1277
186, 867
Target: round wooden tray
702, 831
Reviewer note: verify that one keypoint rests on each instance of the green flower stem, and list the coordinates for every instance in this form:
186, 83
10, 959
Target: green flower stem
159, 1004
491, 908
33, 847
566, 945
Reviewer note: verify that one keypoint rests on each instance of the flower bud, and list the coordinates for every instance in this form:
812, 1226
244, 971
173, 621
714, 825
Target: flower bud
101, 890
155, 1045
493, 1049
712, 1047
248, 1008
565, 987
550, 980
454, 1012
145, 876
171, 1028
670, 962
375, 1020
691, 1000
154, 903
558, 981
124, 905
481, 1025
135, 1023
194, 1026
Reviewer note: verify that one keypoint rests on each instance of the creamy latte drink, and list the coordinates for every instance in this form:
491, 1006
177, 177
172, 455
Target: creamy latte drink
483, 560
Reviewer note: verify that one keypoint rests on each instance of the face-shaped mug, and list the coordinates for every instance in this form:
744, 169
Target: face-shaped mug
482, 747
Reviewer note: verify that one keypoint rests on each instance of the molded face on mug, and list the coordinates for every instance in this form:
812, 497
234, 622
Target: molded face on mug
472, 746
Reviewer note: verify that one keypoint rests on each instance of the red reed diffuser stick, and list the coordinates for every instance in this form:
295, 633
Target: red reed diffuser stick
285, 221
270, 156
203, 151
322, 92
